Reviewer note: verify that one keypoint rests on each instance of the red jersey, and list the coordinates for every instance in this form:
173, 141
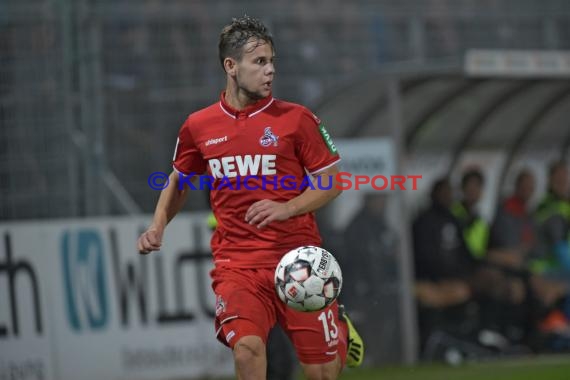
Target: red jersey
262, 152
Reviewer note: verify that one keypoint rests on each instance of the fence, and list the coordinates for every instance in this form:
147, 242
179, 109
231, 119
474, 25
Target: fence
92, 93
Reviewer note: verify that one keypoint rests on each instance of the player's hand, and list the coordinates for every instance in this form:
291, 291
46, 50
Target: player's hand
263, 212
150, 240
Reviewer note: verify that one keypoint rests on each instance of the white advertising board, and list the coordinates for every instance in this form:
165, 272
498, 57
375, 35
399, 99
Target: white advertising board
517, 63
79, 302
362, 159
373, 158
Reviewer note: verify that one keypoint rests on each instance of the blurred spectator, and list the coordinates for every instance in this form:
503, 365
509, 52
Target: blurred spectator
475, 230
514, 241
513, 237
442, 262
441, 257
553, 216
449, 279
370, 273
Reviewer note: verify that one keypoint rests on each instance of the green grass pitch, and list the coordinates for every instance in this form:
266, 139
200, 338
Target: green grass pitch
538, 368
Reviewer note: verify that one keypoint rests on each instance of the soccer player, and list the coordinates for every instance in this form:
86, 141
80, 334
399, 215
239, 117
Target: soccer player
250, 142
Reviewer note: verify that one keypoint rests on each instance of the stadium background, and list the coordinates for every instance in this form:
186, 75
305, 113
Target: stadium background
92, 94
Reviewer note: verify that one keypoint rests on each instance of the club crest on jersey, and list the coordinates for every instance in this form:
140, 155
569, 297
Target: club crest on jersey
220, 305
268, 138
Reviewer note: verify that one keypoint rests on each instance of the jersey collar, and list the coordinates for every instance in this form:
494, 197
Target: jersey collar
249, 111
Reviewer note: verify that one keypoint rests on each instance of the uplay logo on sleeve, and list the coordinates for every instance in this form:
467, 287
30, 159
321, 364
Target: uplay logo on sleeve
328, 139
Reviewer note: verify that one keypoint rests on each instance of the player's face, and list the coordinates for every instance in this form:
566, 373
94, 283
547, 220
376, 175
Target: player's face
254, 72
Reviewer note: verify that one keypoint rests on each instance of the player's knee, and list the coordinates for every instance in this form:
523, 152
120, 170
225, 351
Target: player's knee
327, 371
248, 349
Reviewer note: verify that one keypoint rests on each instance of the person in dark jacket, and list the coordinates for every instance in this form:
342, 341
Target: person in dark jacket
449, 277
440, 251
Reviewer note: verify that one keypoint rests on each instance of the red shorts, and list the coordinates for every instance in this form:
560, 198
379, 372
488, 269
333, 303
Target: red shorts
247, 304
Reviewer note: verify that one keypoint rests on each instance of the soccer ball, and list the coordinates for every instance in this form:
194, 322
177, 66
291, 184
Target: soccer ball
308, 278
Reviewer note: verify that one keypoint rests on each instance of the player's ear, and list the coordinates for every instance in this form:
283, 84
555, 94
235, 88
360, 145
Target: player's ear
230, 65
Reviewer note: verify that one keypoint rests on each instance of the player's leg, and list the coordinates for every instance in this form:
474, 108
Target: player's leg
319, 338
324, 371
281, 360
249, 358
353, 354
244, 316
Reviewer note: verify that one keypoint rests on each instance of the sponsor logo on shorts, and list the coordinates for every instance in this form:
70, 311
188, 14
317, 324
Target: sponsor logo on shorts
230, 335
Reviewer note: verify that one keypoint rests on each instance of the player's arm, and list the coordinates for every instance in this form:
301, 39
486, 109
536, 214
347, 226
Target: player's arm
263, 212
311, 200
169, 203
